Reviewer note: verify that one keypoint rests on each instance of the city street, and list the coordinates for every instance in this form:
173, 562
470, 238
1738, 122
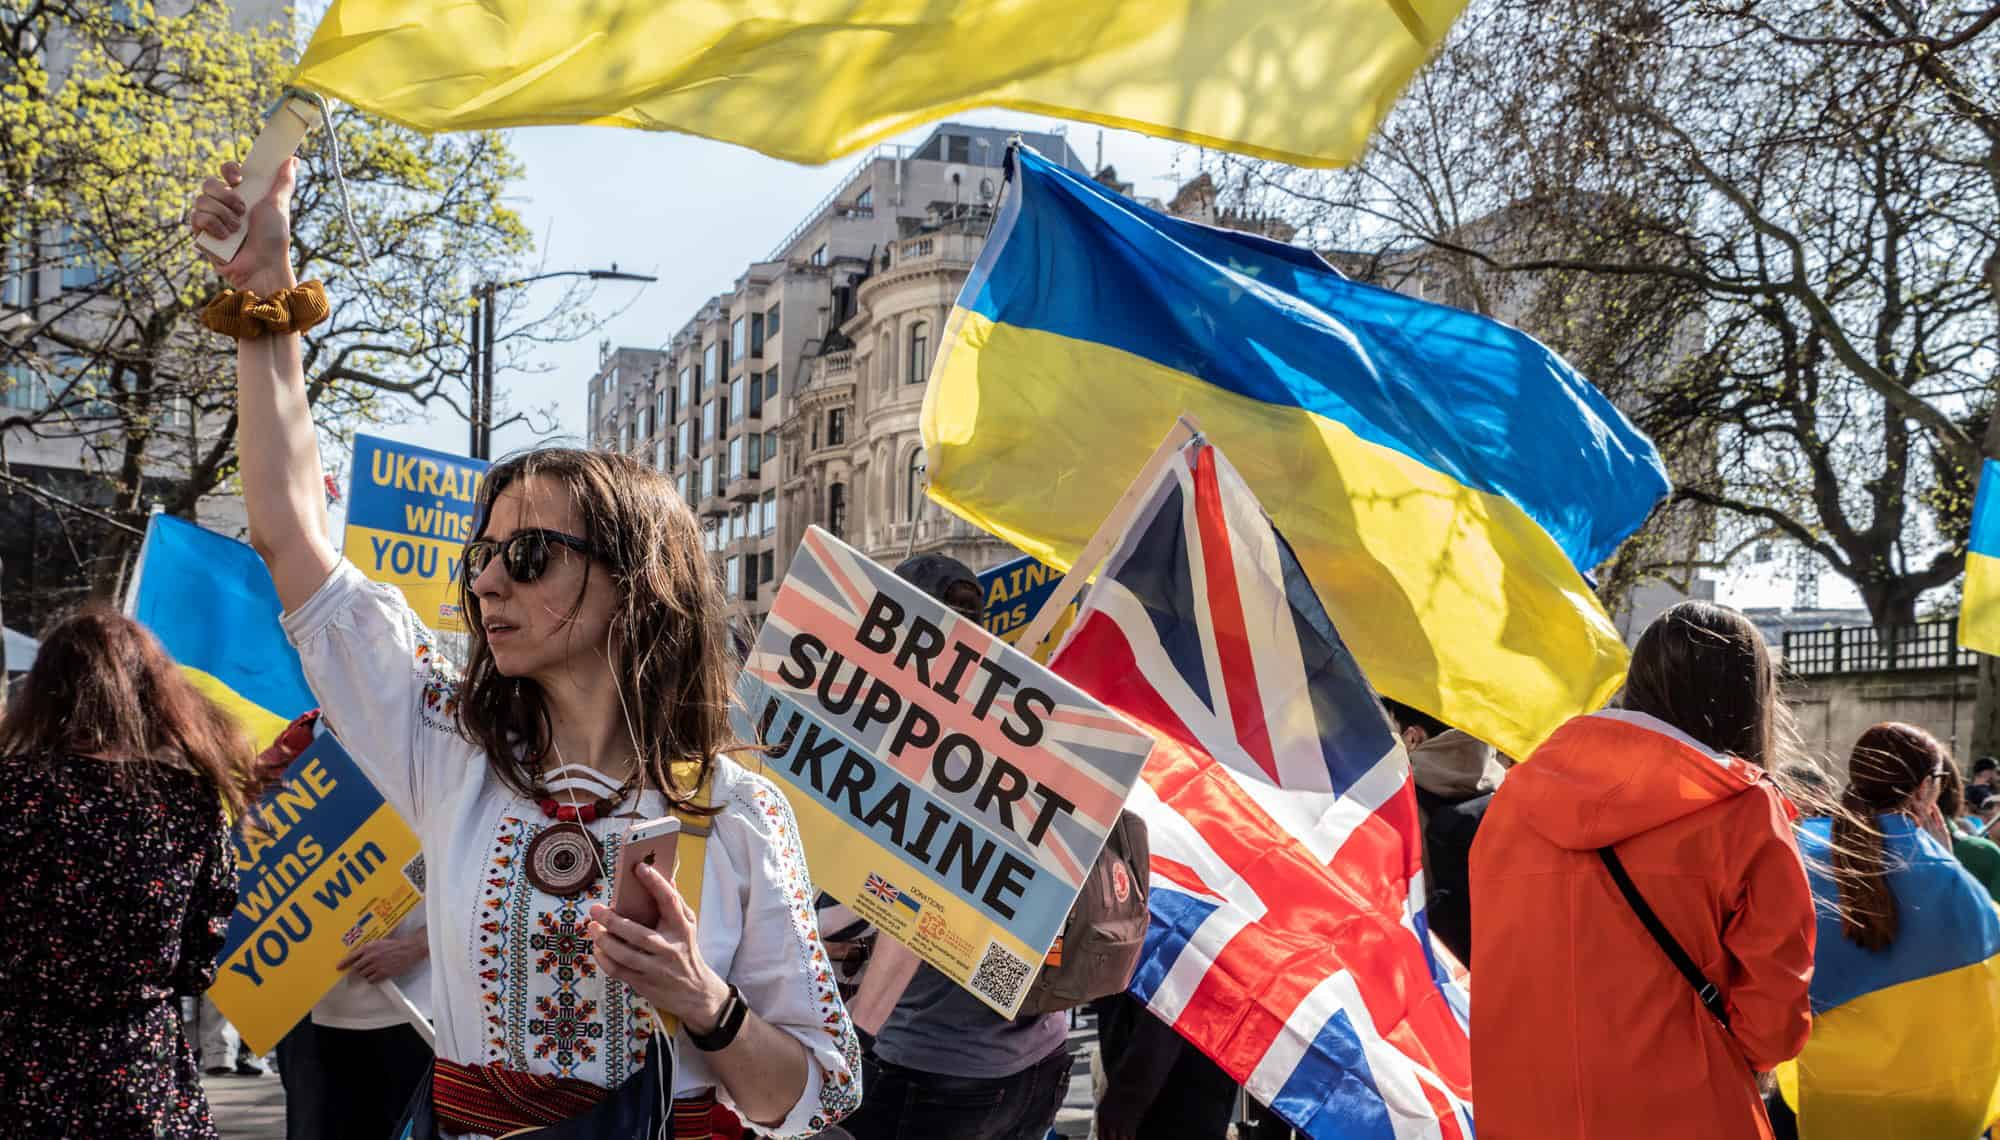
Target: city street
253, 1108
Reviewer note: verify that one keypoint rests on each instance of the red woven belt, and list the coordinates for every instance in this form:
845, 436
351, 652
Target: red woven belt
493, 1100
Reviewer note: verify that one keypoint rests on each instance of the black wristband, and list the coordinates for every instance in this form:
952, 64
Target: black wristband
734, 1012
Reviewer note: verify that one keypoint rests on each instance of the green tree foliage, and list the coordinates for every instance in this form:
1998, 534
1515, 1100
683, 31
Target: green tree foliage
110, 116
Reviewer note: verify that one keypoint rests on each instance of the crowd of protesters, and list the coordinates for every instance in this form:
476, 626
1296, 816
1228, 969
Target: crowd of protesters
1666, 896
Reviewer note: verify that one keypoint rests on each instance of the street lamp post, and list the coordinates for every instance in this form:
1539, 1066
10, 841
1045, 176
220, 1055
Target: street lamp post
479, 371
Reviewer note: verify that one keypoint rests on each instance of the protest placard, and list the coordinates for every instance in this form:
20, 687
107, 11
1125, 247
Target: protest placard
410, 511
947, 788
1015, 591
322, 866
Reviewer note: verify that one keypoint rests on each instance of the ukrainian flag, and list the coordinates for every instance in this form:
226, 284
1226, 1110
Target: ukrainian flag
1441, 476
211, 603
1979, 612
1905, 1042
1304, 81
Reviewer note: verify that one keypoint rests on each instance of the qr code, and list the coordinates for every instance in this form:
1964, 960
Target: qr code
1000, 975
414, 871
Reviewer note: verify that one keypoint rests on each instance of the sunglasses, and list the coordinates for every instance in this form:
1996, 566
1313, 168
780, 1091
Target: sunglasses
524, 555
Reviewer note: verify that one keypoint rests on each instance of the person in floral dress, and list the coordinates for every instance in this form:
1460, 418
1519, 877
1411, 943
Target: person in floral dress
114, 852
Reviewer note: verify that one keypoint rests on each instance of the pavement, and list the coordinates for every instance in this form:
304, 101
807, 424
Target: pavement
247, 1108
253, 1108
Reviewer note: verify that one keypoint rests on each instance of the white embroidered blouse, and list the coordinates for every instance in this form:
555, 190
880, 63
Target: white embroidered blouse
514, 982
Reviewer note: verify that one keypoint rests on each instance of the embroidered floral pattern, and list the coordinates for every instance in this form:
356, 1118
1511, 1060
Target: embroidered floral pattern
548, 1007
439, 706
839, 1092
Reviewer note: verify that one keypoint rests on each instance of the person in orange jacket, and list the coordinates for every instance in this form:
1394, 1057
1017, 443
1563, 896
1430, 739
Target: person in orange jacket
1583, 1026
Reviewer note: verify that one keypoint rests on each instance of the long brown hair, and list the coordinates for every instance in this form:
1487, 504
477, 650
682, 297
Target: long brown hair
103, 686
669, 641
1704, 669
1888, 764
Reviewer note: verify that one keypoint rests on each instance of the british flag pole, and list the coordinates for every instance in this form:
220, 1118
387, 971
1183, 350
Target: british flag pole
1289, 939
1185, 429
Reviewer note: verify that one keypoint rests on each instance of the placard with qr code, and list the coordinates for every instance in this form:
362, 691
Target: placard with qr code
323, 865
948, 789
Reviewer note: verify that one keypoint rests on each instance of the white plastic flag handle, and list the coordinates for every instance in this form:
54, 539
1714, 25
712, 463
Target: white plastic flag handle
287, 127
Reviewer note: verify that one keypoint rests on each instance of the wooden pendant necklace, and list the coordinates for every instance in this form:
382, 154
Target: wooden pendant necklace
565, 859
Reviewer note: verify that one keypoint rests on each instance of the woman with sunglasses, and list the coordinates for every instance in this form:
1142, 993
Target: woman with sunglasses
1906, 1024
596, 691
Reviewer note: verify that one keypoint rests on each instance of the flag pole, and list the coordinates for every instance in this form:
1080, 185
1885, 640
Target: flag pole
411, 1013
1111, 530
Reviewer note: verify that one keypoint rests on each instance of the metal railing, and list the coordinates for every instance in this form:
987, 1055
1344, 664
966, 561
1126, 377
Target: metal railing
892, 151
1865, 649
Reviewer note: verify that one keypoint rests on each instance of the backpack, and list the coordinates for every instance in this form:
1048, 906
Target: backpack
1097, 950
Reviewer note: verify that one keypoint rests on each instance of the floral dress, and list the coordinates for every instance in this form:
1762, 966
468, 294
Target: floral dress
119, 886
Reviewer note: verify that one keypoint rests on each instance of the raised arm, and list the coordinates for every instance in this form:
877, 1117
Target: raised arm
283, 488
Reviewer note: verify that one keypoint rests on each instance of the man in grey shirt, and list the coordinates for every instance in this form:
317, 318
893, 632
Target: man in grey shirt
944, 1064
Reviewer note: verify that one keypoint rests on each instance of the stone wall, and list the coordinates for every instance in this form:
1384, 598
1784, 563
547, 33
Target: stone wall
1833, 711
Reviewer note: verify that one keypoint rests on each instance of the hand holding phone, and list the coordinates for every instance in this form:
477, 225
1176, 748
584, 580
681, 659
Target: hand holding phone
656, 843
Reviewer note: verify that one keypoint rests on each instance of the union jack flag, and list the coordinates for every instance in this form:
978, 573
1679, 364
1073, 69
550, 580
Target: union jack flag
882, 888
1288, 938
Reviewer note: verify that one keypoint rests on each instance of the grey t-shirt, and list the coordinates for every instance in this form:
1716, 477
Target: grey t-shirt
939, 1028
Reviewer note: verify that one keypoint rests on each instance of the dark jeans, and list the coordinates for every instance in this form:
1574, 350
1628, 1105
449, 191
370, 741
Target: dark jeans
348, 1084
908, 1104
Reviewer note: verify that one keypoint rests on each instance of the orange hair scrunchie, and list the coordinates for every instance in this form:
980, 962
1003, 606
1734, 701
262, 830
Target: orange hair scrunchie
246, 316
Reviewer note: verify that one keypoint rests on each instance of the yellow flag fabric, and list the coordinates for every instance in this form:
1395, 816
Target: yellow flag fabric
1304, 81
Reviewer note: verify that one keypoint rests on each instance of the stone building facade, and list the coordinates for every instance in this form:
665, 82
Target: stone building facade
752, 406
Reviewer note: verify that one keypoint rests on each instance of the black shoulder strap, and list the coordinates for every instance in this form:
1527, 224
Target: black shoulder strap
1703, 988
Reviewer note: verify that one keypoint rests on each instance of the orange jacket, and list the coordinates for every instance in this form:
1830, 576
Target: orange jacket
1581, 1027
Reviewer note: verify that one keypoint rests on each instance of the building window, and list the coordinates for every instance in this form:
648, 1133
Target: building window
756, 394
770, 445
686, 391
756, 334
920, 352
836, 427
681, 485
79, 268
771, 384
958, 148
736, 402
709, 372
767, 509
914, 493
771, 322
660, 460
707, 476
819, 255
646, 419
665, 411
865, 200
738, 342
766, 566
736, 458
836, 510
681, 443
753, 456
733, 575
708, 421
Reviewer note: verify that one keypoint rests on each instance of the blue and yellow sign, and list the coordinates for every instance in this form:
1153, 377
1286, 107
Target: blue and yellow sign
1015, 591
321, 862
322, 865
410, 511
